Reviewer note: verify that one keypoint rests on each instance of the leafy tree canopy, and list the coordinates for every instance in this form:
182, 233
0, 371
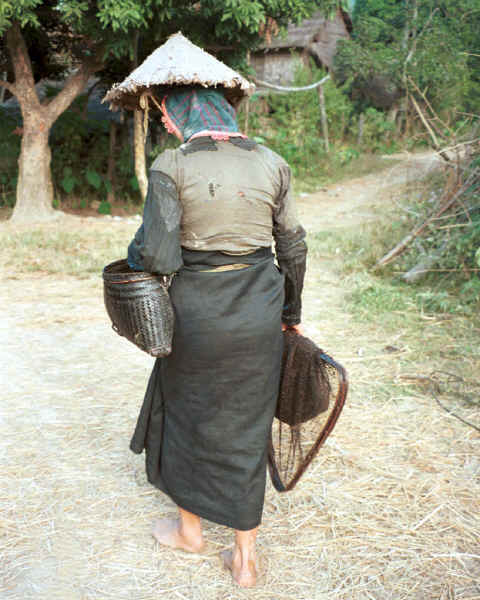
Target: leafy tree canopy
81, 37
71, 29
432, 42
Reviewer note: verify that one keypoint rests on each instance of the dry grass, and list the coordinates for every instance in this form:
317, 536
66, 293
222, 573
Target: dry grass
389, 510
69, 245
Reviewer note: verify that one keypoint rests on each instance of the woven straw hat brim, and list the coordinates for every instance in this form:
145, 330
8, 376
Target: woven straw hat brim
178, 62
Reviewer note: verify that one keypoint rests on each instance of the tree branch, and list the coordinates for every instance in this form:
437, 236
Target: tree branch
425, 122
74, 85
9, 86
408, 239
22, 68
417, 37
422, 94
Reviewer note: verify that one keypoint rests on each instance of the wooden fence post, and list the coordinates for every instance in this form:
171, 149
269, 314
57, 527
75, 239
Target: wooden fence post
323, 116
361, 123
247, 103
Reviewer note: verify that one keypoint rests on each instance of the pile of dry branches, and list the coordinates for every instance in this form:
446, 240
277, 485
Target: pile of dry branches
455, 207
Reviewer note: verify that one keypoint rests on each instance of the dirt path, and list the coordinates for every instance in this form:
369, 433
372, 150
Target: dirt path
386, 512
355, 201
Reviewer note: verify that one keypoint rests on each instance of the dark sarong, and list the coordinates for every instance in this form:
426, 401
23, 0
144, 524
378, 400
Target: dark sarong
208, 409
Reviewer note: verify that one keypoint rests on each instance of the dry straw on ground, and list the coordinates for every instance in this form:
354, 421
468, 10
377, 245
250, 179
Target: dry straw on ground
389, 510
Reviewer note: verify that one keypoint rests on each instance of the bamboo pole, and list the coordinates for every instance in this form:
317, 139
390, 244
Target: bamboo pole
139, 136
111, 162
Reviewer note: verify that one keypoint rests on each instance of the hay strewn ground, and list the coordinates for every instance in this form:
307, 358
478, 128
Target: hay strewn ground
390, 510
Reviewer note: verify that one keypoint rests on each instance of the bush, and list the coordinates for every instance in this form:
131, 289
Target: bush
9, 151
80, 145
451, 283
290, 124
378, 132
80, 150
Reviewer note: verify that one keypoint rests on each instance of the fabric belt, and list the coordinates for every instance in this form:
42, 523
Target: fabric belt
233, 267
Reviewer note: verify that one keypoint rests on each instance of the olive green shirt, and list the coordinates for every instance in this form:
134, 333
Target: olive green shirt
230, 197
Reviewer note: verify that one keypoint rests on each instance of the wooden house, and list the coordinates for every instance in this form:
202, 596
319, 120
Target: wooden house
276, 60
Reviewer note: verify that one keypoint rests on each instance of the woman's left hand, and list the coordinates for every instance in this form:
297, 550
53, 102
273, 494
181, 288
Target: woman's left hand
297, 328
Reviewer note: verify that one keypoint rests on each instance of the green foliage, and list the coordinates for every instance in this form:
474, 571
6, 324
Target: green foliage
80, 143
290, 125
93, 179
452, 284
457, 241
9, 150
378, 131
346, 155
383, 294
430, 43
22, 11
80, 151
69, 181
112, 23
105, 208
64, 34
374, 297
133, 181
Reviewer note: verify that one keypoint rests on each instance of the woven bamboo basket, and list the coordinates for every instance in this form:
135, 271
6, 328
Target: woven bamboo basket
139, 307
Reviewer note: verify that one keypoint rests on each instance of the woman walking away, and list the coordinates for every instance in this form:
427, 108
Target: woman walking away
213, 209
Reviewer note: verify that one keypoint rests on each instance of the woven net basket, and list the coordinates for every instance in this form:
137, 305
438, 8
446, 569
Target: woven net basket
313, 389
139, 307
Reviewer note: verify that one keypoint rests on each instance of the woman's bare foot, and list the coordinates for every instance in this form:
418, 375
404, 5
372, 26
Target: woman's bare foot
244, 573
170, 532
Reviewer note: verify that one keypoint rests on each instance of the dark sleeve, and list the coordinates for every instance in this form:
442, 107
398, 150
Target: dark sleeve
291, 249
156, 245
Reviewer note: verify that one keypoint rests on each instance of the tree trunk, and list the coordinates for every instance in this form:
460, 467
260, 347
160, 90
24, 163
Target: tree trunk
34, 187
139, 152
392, 113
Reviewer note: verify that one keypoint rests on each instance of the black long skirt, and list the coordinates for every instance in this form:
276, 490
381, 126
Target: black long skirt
209, 406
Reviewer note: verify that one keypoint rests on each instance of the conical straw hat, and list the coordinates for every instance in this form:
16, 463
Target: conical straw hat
177, 63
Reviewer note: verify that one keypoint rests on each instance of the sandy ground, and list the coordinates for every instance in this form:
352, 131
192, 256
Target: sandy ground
389, 510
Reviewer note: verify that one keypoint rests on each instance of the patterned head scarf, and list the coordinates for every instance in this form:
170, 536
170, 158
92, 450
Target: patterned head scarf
194, 111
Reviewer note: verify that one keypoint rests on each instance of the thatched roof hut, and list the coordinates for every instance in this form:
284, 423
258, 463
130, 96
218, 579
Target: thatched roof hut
316, 37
